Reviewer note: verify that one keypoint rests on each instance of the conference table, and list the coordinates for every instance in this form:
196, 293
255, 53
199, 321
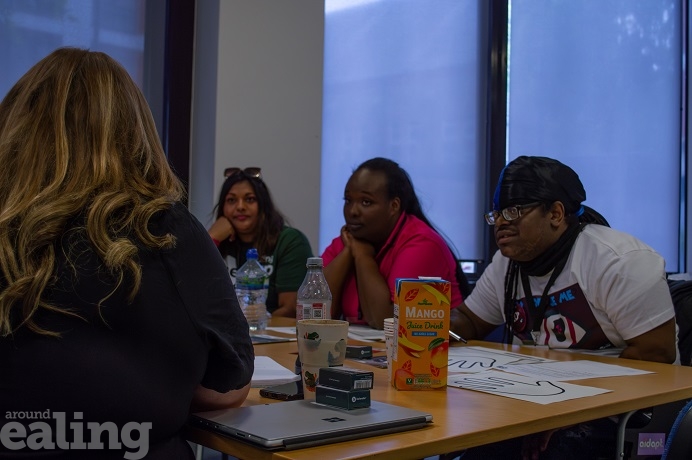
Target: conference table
465, 418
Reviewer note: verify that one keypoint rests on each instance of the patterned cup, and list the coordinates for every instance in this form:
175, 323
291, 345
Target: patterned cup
321, 343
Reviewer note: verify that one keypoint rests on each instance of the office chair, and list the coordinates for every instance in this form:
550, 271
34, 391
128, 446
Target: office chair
659, 419
652, 421
679, 443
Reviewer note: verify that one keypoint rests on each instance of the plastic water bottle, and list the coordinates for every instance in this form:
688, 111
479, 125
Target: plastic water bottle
251, 290
314, 296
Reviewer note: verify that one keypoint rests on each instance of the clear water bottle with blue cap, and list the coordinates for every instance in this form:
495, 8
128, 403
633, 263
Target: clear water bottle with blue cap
251, 289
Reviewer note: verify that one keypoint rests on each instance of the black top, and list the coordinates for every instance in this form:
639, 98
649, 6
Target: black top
136, 362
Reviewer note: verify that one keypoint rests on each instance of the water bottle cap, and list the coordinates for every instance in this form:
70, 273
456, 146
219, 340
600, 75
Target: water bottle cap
314, 261
252, 254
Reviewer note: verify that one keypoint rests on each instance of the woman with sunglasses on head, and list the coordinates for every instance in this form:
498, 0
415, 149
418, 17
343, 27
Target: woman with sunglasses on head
247, 218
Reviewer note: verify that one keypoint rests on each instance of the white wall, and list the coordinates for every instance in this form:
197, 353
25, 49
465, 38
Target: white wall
257, 101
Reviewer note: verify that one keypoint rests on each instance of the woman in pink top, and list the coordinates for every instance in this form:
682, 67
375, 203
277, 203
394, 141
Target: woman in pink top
386, 237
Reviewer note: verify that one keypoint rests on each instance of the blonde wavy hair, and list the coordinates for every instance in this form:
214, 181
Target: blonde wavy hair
77, 139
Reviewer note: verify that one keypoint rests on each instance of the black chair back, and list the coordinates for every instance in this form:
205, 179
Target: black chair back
681, 293
679, 443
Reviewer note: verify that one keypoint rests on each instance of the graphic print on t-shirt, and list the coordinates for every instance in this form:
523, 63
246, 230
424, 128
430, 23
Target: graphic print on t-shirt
568, 321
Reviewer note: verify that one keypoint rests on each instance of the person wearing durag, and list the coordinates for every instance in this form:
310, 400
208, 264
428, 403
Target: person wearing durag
541, 179
537, 180
588, 286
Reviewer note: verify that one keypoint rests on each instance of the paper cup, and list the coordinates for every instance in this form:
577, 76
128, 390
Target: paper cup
321, 343
389, 342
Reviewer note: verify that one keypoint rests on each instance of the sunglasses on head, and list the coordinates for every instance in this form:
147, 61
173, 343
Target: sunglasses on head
252, 171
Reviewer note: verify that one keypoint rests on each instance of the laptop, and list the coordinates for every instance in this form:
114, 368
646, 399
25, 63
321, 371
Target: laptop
301, 423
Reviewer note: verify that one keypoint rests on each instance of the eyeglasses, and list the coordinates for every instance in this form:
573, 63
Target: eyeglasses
510, 213
252, 171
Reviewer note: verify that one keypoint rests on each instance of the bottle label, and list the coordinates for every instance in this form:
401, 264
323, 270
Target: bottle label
250, 283
313, 310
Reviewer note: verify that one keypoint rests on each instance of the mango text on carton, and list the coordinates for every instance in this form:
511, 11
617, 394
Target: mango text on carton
424, 313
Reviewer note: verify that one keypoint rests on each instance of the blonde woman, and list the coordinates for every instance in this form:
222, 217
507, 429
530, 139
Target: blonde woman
116, 310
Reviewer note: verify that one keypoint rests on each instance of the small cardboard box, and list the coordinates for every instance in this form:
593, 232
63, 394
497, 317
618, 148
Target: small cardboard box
345, 378
421, 334
349, 400
359, 351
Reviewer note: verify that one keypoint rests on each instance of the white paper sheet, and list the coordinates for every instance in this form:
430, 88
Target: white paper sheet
570, 370
539, 391
267, 338
285, 330
478, 359
269, 372
365, 333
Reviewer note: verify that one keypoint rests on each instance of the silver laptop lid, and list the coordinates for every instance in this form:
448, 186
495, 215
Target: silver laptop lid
298, 424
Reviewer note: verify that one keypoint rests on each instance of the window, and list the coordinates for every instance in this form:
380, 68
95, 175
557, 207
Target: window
30, 30
597, 85
403, 80
131, 31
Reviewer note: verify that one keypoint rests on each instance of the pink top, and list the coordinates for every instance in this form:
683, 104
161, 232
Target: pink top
413, 249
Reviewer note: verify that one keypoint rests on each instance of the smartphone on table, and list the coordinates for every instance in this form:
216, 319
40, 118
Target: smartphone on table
285, 391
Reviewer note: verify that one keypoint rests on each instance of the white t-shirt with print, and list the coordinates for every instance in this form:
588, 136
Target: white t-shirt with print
612, 289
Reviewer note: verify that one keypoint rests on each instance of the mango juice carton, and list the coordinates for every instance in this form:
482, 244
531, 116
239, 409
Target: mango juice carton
421, 334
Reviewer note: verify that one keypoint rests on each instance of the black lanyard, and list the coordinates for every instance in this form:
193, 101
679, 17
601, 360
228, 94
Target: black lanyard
543, 304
